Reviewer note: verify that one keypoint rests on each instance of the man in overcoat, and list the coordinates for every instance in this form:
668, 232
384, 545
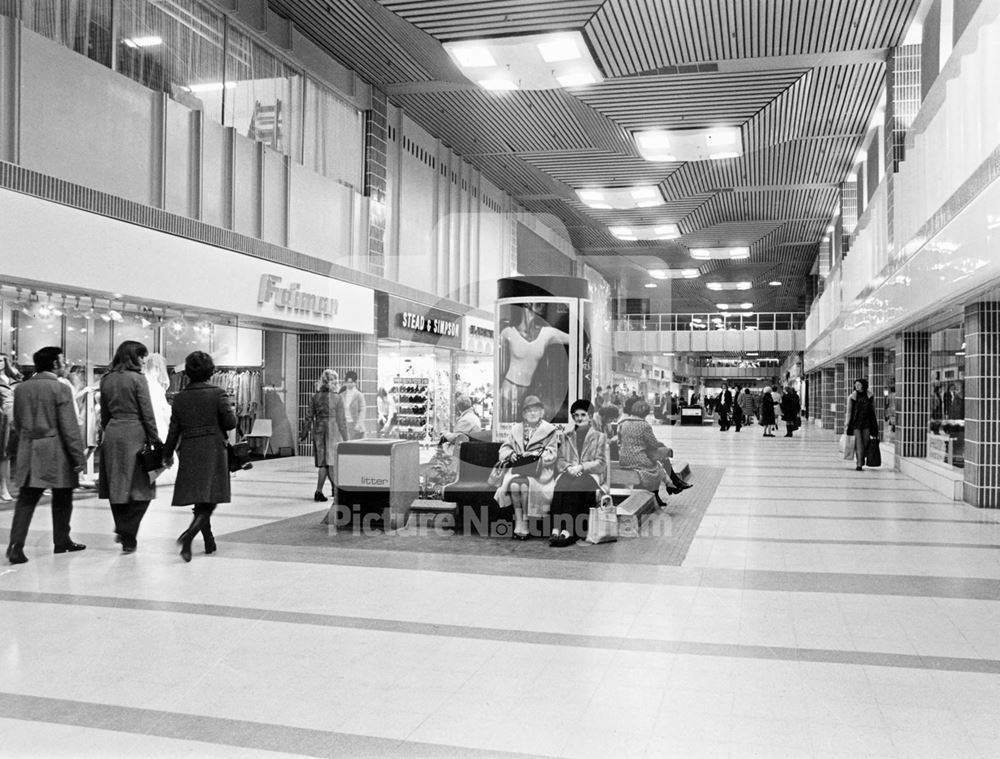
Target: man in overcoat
46, 442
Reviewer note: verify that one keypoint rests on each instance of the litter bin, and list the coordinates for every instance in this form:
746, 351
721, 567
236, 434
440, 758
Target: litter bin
377, 479
692, 415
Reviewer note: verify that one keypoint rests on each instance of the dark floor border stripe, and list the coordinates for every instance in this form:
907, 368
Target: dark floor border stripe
849, 518
260, 736
529, 637
833, 542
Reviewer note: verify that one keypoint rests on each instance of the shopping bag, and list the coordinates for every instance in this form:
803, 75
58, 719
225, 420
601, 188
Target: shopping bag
873, 454
602, 526
848, 447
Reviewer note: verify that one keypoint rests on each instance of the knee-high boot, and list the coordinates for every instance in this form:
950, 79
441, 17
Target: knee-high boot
188, 535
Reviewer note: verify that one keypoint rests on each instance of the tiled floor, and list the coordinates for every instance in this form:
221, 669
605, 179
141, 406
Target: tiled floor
820, 612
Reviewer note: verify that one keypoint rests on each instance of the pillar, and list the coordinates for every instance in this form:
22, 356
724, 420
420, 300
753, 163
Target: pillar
815, 397
828, 410
982, 405
879, 384
840, 391
913, 393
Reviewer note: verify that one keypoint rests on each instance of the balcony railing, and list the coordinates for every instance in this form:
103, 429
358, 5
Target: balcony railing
714, 321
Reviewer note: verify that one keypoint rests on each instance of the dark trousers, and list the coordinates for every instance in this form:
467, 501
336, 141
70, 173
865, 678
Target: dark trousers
127, 518
723, 419
571, 503
24, 510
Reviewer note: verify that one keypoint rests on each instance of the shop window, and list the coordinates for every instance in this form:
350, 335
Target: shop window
946, 430
182, 336
174, 46
262, 94
36, 331
131, 328
83, 26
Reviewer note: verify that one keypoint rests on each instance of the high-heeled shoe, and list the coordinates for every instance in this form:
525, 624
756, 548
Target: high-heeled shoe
318, 496
210, 546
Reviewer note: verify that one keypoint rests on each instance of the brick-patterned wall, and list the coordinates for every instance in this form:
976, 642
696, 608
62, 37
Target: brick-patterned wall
913, 393
815, 395
376, 136
982, 405
877, 382
341, 352
857, 368
829, 386
840, 389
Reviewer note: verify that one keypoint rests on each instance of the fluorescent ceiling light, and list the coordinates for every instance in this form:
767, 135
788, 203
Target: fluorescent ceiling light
706, 254
717, 286
497, 85
622, 198
689, 144
674, 273
722, 306
774, 283
650, 285
151, 41
532, 62
658, 232
745, 306
562, 48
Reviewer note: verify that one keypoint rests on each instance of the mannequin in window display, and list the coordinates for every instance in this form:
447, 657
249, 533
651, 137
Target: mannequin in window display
524, 342
954, 404
354, 406
158, 380
10, 375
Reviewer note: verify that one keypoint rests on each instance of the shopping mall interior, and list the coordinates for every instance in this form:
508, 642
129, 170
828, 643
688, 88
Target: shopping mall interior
685, 228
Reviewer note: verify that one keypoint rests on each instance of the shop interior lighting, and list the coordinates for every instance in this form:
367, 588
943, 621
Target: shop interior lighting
622, 198
150, 41
689, 144
707, 254
527, 62
658, 232
674, 273
717, 286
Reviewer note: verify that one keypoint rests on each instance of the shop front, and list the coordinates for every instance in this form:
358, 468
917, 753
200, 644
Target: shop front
416, 349
474, 367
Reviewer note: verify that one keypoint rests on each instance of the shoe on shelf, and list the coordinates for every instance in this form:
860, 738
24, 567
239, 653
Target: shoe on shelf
318, 496
15, 554
68, 547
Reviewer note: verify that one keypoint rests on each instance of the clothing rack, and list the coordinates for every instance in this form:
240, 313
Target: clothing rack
244, 384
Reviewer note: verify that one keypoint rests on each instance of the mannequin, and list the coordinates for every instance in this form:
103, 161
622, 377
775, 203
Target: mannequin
158, 380
526, 343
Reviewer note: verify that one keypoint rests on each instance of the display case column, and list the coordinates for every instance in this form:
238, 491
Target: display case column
829, 384
982, 405
840, 391
913, 393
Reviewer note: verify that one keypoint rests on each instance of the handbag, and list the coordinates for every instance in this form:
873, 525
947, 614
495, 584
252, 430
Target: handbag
848, 447
602, 525
873, 454
151, 455
238, 457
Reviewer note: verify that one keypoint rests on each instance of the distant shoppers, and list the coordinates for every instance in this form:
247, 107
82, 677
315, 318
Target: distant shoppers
468, 423
10, 376
582, 465
128, 421
49, 453
386, 407
767, 419
640, 451
861, 420
327, 421
529, 451
790, 408
354, 406
746, 403
202, 415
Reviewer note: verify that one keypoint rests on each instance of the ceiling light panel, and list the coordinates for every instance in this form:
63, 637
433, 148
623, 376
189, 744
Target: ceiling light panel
657, 232
622, 198
708, 254
717, 286
690, 144
674, 273
532, 62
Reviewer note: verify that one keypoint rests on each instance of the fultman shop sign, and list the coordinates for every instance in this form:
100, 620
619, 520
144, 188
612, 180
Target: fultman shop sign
401, 319
292, 298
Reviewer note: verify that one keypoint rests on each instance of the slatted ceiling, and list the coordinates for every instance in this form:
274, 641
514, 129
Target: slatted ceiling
600, 169
687, 101
778, 206
673, 212
513, 174
606, 134
634, 36
350, 34
473, 19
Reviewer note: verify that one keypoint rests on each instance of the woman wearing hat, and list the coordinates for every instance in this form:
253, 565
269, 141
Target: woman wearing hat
583, 462
529, 453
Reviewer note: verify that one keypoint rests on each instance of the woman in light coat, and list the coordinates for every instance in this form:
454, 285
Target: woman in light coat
128, 422
327, 420
530, 452
582, 465
202, 415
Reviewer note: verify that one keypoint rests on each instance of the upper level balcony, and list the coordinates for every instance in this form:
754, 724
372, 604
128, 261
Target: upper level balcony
711, 333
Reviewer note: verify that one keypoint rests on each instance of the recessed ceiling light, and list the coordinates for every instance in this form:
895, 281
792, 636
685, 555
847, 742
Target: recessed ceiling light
577, 79
473, 56
659, 232
644, 193
622, 198
674, 273
774, 283
752, 353
705, 254
497, 85
717, 286
562, 48
722, 306
650, 285
689, 144
745, 306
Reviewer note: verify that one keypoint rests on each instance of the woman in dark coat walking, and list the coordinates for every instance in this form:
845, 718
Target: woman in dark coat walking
861, 420
790, 408
201, 417
128, 422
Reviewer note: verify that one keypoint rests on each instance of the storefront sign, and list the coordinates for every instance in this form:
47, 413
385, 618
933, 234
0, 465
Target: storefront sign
478, 335
293, 298
401, 319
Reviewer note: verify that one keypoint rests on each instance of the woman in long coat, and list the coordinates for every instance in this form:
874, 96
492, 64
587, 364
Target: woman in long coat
641, 451
327, 420
128, 422
767, 418
201, 417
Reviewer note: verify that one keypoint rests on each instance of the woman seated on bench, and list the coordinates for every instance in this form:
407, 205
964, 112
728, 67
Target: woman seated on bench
640, 451
530, 452
582, 465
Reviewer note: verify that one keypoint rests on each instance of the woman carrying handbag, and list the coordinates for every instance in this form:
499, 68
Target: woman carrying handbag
202, 415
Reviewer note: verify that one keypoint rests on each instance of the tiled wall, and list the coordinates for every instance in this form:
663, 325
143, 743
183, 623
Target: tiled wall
341, 352
829, 386
982, 405
913, 393
877, 383
840, 389
376, 135
856, 368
